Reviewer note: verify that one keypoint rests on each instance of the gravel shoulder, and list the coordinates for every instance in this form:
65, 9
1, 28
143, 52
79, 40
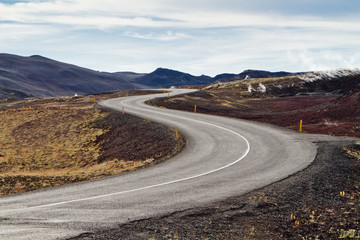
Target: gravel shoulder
321, 202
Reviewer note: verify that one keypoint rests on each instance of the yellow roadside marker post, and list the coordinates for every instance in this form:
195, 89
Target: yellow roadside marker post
300, 127
94, 100
149, 101
195, 108
123, 110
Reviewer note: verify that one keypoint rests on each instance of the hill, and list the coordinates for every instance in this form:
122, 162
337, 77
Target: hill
73, 141
42, 77
163, 77
249, 74
129, 76
315, 83
37, 76
327, 102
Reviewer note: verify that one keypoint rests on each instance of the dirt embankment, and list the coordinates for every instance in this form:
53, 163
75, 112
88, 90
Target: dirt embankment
55, 141
337, 115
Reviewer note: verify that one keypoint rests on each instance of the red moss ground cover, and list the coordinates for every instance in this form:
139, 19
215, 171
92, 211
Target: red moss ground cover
337, 115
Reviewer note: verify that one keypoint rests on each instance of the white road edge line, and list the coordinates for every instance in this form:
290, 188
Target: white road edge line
160, 184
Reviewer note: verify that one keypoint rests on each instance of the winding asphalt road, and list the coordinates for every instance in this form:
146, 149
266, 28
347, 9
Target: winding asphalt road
223, 157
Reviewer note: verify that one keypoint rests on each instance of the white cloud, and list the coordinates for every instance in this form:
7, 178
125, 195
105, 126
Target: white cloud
104, 22
11, 31
154, 13
324, 59
202, 36
168, 36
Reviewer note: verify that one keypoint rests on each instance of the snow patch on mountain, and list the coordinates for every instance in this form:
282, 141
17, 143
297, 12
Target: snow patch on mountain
329, 74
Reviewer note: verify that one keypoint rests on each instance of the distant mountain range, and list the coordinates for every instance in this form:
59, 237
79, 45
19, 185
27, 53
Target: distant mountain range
37, 76
163, 77
253, 74
40, 76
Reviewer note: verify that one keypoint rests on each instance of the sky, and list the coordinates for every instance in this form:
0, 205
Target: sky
194, 36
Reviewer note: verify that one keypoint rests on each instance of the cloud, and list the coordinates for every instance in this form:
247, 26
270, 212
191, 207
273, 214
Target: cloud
168, 36
324, 59
202, 36
105, 22
19, 32
156, 13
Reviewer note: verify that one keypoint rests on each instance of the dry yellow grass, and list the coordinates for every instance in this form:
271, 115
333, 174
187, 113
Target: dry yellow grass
243, 85
42, 139
47, 145
51, 141
355, 152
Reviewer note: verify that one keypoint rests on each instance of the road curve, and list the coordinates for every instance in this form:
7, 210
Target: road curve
223, 157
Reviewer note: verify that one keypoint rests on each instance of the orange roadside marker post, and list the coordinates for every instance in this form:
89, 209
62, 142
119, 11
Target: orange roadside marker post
300, 126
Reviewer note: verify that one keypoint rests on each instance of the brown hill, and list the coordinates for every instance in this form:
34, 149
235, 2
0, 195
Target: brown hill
43, 77
348, 106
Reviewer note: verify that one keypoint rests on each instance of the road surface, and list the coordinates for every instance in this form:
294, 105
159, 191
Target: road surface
222, 157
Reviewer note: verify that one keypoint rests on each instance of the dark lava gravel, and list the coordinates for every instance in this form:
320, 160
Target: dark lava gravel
321, 202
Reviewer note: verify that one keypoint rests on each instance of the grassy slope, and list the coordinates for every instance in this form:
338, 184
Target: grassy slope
55, 141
